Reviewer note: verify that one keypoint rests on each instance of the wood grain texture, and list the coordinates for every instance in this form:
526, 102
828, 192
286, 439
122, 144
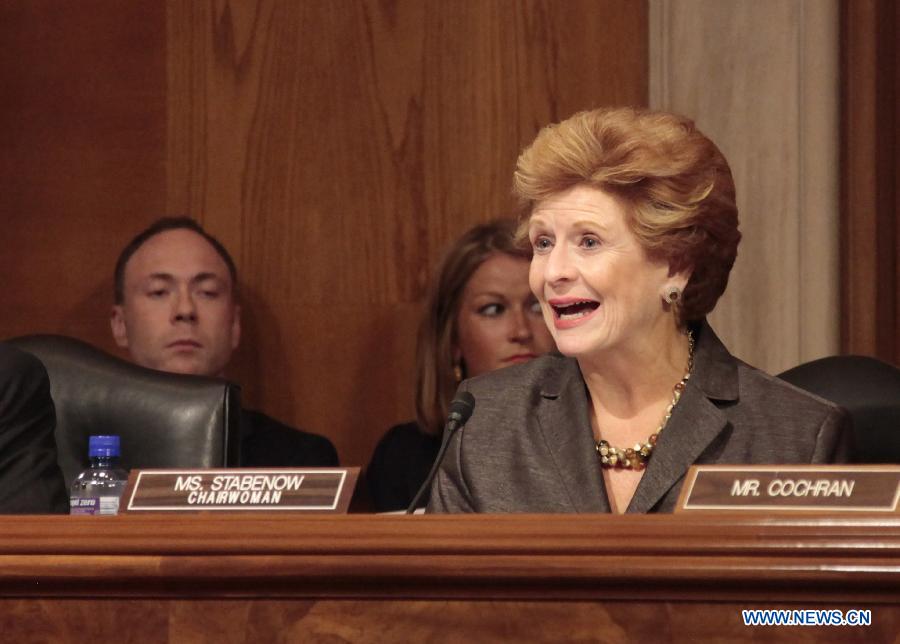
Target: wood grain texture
761, 80
442, 578
335, 147
82, 159
250, 621
338, 147
673, 557
870, 225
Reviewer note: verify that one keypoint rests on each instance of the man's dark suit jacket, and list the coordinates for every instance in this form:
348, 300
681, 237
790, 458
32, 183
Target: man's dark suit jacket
529, 446
30, 479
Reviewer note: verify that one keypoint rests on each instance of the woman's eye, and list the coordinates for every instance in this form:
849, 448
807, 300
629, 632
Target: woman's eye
542, 243
491, 310
590, 242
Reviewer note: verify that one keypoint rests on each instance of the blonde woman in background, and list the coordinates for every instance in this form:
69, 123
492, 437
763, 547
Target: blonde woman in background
480, 316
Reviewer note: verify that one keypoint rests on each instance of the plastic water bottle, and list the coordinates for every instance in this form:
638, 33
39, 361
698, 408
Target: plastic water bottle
97, 489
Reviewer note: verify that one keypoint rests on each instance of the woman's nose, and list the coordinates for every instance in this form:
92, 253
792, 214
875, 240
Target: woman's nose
520, 329
559, 266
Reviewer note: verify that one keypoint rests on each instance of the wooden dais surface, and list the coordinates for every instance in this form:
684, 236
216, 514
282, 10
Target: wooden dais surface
442, 578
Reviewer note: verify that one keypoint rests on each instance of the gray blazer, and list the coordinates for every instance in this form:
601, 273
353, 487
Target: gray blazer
528, 446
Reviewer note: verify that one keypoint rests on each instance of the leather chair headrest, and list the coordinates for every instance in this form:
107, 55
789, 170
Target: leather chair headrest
163, 419
867, 388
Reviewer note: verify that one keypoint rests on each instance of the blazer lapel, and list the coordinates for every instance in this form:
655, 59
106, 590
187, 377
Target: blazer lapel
693, 425
695, 422
562, 406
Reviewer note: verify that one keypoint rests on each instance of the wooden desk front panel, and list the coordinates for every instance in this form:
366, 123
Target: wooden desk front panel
248, 621
467, 578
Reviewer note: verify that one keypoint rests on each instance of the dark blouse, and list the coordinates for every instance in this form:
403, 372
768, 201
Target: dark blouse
399, 466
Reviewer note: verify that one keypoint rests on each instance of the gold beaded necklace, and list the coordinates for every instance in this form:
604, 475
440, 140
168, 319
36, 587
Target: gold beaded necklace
635, 458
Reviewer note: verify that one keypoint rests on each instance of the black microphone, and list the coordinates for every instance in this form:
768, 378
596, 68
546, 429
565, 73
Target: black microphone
460, 411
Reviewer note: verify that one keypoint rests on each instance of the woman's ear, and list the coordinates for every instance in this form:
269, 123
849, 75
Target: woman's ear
679, 277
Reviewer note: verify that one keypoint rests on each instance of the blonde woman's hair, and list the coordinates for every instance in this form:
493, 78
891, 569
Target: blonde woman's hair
674, 182
435, 379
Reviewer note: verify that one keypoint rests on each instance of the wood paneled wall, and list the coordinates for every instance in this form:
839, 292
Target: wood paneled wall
334, 147
801, 95
82, 156
761, 80
870, 199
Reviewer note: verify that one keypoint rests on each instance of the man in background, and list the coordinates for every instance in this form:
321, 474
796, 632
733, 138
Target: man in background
176, 309
30, 479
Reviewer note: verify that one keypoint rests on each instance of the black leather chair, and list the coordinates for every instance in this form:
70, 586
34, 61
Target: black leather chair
164, 420
867, 388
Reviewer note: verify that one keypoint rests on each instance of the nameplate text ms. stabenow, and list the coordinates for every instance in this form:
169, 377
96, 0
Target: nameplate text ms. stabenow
320, 490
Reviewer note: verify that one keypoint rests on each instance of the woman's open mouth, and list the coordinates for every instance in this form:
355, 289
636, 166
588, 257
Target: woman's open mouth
570, 313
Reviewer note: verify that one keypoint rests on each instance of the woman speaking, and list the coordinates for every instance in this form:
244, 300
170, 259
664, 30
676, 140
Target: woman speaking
632, 218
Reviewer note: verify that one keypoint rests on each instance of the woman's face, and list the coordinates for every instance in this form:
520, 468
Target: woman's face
499, 321
596, 286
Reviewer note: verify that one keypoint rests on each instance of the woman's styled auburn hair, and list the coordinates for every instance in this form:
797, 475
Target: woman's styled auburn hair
674, 183
435, 379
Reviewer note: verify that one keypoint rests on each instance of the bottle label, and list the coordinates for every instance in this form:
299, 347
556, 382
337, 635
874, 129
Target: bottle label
94, 505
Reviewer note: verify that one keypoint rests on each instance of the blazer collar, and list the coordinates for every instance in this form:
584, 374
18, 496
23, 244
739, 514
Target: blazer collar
695, 422
564, 422
715, 369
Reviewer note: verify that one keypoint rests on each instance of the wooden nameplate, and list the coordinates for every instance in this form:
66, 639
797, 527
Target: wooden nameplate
309, 489
810, 488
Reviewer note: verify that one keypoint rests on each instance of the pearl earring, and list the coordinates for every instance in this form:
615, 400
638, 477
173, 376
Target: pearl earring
672, 294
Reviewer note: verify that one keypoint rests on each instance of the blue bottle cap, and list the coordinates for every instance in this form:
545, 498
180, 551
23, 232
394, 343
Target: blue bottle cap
103, 446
